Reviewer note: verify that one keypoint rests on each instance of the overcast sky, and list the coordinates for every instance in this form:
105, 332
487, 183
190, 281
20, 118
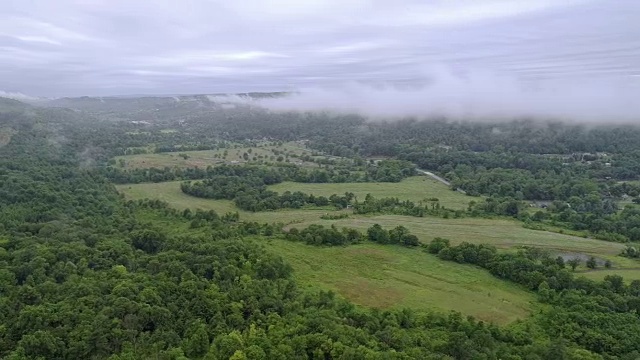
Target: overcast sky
111, 47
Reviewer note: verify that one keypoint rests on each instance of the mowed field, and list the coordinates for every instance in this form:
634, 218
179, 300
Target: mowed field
204, 158
502, 233
392, 276
627, 274
416, 188
171, 193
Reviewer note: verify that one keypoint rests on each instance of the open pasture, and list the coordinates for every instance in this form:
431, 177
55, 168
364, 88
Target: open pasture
415, 188
171, 193
502, 233
233, 155
381, 276
628, 274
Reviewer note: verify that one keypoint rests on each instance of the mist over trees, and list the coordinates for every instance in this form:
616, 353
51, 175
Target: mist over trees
87, 274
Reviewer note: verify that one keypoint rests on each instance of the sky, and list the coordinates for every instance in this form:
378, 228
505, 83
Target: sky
489, 48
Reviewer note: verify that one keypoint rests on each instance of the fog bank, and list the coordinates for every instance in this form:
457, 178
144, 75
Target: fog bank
475, 97
17, 96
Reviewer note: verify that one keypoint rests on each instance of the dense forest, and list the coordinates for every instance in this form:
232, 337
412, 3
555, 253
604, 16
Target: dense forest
86, 274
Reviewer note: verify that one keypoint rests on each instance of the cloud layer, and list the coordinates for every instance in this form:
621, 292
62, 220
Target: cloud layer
590, 48
476, 96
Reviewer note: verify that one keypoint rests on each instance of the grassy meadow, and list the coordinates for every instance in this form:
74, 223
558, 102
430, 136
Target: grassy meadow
379, 276
415, 188
392, 276
171, 193
383, 277
629, 274
502, 233
204, 158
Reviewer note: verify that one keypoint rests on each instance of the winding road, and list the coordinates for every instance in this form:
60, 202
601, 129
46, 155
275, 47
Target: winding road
429, 173
438, 178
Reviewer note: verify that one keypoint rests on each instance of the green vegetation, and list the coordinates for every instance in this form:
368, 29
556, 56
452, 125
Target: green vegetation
504, 234
579, 303
5, 135
628, 274
249, 192
394, 277
86, 273
232, 153
416, 189
171, 193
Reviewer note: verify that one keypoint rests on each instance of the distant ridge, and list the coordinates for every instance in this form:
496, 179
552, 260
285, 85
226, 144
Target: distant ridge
255, 95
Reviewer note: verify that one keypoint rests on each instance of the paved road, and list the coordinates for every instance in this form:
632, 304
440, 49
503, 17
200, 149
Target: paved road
429, 173
438, 178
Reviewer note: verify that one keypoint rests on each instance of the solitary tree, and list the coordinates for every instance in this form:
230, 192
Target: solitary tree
573, 263
592, 263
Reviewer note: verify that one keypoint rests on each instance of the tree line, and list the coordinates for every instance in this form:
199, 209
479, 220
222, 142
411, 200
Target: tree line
319, 235
599, 316
382, 171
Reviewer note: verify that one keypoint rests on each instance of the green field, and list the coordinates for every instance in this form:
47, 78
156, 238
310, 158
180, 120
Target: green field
171, 193
416, 188
392, 276
628, 274
206, 158
502, 233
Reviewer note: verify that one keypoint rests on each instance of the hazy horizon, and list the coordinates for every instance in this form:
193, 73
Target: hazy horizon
578, 59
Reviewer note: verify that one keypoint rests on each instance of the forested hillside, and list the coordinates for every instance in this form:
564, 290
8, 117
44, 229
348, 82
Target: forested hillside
86, 274
593, 168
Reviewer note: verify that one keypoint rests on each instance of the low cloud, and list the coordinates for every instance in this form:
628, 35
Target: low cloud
478, 96
229, 99
17, 96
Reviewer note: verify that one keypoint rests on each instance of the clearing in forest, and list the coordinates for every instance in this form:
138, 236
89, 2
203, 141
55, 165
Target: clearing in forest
389, 276
502, 233
628, 274
415, 188
285, 153
171, 193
